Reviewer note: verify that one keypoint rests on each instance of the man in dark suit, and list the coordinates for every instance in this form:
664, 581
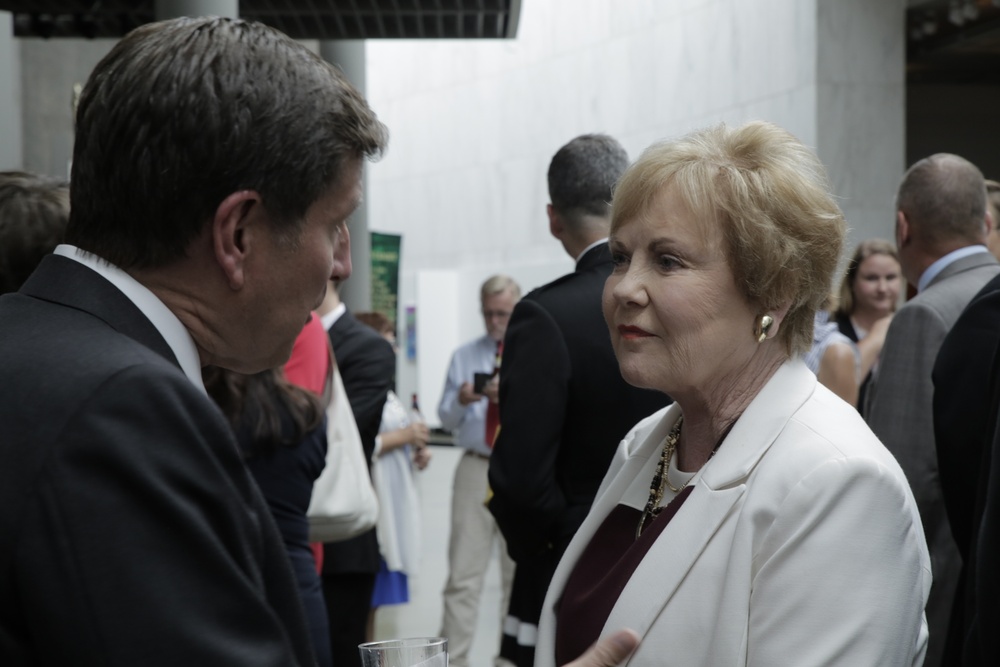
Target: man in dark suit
966, 387
564, 406
215, 165
980, 641
940, 233
367, 365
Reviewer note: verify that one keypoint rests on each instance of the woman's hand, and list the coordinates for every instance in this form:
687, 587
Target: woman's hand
871, 345
421, 457
878, 331
419, 434
609, 651
416, 434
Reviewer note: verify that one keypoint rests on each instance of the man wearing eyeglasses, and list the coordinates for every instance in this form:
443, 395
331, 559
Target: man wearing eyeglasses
469, 408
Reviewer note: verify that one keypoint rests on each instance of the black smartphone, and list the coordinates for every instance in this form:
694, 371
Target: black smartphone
479, 381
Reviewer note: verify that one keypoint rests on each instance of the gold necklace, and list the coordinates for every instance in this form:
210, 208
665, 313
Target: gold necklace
653, 509
666, 474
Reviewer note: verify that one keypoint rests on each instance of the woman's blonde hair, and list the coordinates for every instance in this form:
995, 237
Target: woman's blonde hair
768, 194
865, 249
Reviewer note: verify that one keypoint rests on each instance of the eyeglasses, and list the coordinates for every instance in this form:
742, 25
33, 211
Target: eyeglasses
499, 314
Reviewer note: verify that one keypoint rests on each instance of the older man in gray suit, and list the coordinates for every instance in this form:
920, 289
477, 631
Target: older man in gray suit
941, 232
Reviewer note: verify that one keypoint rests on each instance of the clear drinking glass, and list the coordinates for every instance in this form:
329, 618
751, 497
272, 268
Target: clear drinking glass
416, 652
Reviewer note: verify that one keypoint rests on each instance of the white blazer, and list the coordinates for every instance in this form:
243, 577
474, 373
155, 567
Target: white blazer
800, 544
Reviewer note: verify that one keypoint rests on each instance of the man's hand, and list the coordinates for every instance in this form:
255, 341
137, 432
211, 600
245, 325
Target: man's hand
609, 651
467, 395
491, 389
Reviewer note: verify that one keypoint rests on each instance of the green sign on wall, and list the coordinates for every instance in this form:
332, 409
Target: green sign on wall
385, 273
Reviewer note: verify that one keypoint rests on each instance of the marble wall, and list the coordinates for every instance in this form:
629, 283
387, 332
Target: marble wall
860, 109
10, 96
474, 124
50, 70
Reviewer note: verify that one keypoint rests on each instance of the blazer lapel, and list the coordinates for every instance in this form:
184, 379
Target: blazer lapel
680, 544
715, 496
624, 467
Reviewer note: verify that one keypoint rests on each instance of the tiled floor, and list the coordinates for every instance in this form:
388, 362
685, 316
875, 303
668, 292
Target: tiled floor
422, 616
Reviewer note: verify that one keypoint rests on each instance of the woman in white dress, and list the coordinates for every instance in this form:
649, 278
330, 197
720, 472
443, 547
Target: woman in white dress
400, 447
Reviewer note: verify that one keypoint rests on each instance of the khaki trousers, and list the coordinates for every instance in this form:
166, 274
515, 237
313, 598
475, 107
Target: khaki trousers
473, 534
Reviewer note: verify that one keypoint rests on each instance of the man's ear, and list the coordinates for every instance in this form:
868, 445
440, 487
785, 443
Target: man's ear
903, 231
989, 224
555, 223
230, 233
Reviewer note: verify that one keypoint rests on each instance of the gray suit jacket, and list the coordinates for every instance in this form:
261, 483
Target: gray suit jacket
900, 412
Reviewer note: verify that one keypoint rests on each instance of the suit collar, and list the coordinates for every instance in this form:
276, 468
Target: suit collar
595, 255
752, 434
963, 259
760, 424
71, 284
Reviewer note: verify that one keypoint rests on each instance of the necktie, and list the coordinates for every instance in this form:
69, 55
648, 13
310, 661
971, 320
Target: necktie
493, 409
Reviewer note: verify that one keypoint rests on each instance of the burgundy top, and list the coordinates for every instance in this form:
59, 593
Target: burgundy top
600, 575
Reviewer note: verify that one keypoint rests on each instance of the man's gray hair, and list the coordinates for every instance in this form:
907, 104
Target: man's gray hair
498, 284
944, 198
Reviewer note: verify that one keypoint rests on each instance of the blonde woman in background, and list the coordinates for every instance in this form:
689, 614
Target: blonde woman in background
834, 357
869, 295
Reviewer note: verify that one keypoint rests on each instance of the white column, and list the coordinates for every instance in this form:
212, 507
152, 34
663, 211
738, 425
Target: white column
11, 127
349, 56
861, 110
168, 9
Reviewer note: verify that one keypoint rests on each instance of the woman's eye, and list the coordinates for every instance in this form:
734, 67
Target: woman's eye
619, 259
668, 262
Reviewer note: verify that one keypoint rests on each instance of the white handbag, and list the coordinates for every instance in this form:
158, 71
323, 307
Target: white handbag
343, 502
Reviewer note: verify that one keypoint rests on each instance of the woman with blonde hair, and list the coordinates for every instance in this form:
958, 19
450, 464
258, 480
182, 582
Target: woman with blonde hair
757, 520
869, 294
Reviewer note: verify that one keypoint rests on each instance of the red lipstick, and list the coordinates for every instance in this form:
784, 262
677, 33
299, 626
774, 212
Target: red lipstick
632, 333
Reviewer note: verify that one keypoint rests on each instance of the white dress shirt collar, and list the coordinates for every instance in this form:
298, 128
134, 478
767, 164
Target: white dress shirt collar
331, 318
173, 331
932, 271
589, 248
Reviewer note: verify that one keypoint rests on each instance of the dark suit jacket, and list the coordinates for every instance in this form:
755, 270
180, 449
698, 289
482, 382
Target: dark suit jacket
131, 532
982, 641
367, 366
900, 412
564, 409
966, 387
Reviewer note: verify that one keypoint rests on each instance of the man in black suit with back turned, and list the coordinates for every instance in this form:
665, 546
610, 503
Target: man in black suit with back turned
564, 406
966, 406
367, 365
215, 165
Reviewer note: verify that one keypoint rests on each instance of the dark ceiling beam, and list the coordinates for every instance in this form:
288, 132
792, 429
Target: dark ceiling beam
302, 19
